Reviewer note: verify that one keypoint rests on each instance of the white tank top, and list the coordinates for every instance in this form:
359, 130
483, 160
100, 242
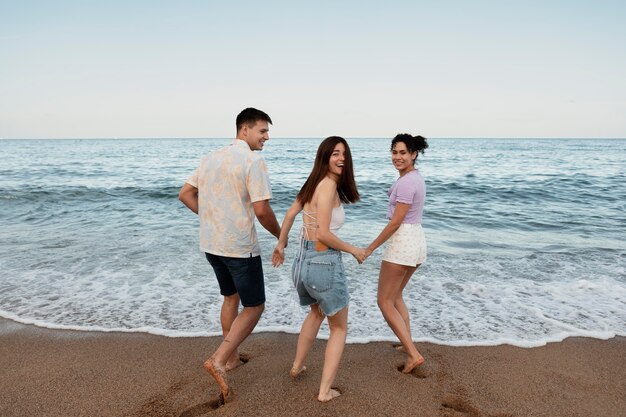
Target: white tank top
337, 219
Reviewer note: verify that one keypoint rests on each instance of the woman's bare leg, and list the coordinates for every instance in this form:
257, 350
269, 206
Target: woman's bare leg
308, 333
399, 302
390, 284
334, 349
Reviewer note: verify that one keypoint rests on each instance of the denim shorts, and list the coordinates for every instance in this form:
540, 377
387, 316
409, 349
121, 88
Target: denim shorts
319, 278
240, 275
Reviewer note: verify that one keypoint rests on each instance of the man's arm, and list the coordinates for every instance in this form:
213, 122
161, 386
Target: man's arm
278, 257
189, 196
263, 211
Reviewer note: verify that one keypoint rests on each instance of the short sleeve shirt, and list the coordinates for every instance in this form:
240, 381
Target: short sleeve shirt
229, 180
408, 189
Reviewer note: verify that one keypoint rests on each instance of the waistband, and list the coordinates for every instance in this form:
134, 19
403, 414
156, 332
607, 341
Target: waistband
309, 245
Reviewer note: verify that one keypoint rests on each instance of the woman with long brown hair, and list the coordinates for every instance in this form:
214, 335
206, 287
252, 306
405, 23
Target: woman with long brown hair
318, 271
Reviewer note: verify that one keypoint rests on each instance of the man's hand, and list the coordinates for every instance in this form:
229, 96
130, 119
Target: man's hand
278, 257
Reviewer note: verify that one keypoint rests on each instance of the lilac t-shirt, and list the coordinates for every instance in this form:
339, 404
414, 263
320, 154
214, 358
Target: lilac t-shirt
409, 189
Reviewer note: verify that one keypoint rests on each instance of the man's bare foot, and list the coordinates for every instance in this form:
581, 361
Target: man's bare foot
411, 364
233, 361
223, 399
333, 393
232, 364
296, 371
219, 375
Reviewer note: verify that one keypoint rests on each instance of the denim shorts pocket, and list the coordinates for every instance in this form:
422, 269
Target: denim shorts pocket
320, 274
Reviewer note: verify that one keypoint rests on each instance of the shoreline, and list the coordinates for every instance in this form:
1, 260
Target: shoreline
358, 341
78, 373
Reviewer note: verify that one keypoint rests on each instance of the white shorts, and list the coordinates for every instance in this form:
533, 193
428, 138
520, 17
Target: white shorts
407, 246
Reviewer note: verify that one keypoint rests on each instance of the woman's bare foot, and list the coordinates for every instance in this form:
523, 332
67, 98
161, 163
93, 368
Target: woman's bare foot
412, 363
333, 393
399, 348
296, 371
219, 375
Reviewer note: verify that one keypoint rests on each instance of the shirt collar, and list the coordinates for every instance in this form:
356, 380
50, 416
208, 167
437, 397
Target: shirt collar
241, 143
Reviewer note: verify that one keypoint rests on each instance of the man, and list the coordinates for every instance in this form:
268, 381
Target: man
227, 190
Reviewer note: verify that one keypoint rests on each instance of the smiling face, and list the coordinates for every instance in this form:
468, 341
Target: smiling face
256, 135
402, 159
337, 159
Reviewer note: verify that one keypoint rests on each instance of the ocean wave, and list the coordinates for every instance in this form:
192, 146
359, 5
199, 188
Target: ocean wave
64, 194
525, 242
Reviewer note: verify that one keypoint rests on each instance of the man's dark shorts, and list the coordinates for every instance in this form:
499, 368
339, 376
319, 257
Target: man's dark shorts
240, 275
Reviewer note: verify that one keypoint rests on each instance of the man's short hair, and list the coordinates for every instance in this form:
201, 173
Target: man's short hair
250, 116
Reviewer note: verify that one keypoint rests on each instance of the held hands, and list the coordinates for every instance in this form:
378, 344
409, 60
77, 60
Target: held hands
278, 257
359, 254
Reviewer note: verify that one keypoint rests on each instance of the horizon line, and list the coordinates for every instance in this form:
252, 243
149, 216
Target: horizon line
321, 137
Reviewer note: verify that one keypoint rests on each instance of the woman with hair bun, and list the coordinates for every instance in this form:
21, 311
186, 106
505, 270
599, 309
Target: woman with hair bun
406, 245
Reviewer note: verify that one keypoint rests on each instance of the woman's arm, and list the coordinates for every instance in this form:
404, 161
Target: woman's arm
278, 257
394, 223
326, 192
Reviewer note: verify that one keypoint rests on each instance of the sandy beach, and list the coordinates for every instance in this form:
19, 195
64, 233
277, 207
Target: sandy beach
68, 373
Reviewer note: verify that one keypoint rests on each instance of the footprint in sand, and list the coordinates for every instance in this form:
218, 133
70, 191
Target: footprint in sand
207, 407
176, 398
202, 409
460, 404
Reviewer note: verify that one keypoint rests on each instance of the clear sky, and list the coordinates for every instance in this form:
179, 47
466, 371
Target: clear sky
98, 69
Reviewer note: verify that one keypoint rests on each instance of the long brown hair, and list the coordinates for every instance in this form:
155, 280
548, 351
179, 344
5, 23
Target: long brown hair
346, 186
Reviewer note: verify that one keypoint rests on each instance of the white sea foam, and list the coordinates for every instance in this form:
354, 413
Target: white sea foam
483, 303
105, 245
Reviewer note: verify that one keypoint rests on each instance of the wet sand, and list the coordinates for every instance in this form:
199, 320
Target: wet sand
67, 373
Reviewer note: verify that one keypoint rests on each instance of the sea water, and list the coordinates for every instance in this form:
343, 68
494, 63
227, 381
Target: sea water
526, 239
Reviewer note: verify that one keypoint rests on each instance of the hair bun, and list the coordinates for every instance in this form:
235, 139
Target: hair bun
420, 142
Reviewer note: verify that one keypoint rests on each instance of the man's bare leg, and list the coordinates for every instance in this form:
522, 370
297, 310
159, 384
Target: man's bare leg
230, 310
242, 327
334, 349
308, 333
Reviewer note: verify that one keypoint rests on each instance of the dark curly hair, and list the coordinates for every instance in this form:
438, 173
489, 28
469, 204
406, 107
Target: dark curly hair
413, 143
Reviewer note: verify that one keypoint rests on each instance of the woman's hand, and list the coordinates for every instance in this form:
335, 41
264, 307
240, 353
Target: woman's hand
359, 254
278, 257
